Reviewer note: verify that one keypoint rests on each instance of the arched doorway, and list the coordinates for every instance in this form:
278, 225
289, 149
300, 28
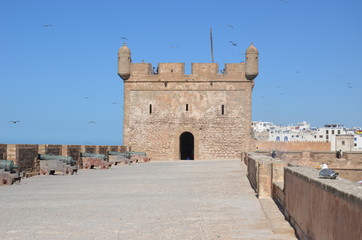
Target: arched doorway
187, 146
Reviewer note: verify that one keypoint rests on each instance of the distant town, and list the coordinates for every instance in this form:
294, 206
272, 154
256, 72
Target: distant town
338, 135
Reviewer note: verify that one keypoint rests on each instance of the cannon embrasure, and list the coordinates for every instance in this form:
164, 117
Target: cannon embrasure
90, 160
8, 175
139, 156
119, 157
50, 163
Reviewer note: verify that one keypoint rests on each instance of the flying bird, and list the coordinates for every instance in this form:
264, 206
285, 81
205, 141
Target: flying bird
233, 43
87, 97
230, 26
124, 38
113, 103
14, 121
92, 122
47, 25
327, 173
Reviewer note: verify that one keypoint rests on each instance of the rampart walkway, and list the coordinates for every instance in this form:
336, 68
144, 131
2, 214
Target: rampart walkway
156, 200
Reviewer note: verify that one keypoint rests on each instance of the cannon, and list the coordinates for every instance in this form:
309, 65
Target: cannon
90, 160
119, 157
139, 156
7, 165
9, 173
125, 154
66, 159
50, 163
94, 155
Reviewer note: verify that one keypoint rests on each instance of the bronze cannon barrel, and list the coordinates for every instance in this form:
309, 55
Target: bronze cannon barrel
7, 165
94, 155
127, 155
65, 159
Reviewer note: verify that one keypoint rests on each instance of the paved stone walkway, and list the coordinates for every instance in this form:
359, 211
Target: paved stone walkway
157, 200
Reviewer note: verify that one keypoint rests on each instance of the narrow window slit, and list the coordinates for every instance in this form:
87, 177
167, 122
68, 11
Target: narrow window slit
187, 107
150, 108
222, 109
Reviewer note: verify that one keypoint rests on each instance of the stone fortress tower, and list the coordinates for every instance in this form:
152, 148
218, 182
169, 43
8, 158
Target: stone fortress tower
172, 116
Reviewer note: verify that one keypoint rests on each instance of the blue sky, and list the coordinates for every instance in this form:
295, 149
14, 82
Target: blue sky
61, 81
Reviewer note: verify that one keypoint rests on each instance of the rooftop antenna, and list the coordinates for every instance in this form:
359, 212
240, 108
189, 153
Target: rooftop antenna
212, 47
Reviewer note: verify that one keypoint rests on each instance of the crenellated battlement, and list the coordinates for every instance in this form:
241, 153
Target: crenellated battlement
200, 69
178, 69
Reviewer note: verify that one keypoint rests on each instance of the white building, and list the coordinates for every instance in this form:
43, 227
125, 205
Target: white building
357, 140
261, 126
304, 132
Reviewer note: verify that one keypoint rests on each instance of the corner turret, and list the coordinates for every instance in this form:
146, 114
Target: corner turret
124, 62
251, 62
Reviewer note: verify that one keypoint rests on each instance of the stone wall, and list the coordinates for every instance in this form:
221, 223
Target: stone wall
88, 149
50, 149
323, 156
26, 155
263, 172
322, 209
355, 157
293, 155
353, 174
291, 146
214, 108
125, 149
3, 149
103, 149
316, 208
349, 166
73, 151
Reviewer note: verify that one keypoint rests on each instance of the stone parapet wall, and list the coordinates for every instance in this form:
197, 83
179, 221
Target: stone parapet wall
102, 149
73, 151
292, 155
50, 149
323, 156
252, 172
3, 149
263, 172
291, 146
26, 155
355, 157
322, 209
177, 70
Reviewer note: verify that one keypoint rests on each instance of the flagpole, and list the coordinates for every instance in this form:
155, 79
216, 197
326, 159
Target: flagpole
212, 47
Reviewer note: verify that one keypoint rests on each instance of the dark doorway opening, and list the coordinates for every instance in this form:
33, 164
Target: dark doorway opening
187, 146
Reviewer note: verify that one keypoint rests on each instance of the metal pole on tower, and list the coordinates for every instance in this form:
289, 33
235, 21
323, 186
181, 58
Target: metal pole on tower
212, 47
